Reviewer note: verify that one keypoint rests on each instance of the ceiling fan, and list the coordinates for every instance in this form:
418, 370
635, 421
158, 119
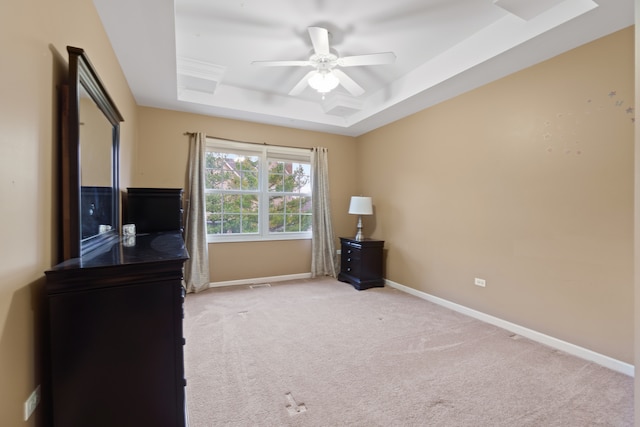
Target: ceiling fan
326, 75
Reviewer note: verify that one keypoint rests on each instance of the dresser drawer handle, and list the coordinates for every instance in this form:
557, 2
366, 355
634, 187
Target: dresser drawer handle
349, 251
348, 268
348, 259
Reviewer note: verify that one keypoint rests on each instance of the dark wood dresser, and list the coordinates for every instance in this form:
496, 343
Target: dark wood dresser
361, 263
115, 334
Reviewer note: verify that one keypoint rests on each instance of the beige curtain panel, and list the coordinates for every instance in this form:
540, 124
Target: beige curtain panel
196, 269
323, 258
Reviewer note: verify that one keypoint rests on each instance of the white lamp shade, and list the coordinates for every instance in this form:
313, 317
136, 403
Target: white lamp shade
360, 205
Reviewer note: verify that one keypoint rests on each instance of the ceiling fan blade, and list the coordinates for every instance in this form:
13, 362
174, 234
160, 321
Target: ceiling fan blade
347, 82
301, 85
320, 40
371, 59
281, 63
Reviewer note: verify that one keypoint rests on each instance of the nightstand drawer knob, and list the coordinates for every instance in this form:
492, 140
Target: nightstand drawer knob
348, 268
349, 251
348, 259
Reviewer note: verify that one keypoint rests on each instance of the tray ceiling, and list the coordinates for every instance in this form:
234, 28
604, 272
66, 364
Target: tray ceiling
195, 55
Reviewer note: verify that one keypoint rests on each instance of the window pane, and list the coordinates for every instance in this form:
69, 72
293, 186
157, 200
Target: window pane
231, 223
250, 203
227, 171
214, 223
247, 172
217, 171
305, 205
292, 223
249, 180
289, 177
247, 163
276, 204
250, 223
232, 213
232, 203
276, 223
301, 178
218, 179
293, 204
276, 176
214, 203
289, 214
305, 222
214, 160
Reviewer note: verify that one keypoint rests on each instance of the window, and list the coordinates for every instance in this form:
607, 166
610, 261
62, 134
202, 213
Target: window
257, 192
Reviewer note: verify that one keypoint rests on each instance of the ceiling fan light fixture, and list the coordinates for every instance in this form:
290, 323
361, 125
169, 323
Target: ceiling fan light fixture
323, 81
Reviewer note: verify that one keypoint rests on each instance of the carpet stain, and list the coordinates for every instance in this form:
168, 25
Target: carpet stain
440, 403
293, 407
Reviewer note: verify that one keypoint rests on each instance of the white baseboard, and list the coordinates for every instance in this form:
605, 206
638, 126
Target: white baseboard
257, 280
592, 356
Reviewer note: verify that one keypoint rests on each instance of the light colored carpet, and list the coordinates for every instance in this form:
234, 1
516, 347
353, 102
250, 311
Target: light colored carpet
319, 353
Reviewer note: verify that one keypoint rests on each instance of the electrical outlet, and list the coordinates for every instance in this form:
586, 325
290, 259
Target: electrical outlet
480, 282
31, 403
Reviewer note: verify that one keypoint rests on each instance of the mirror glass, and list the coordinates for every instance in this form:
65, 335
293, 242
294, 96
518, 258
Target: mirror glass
96, 171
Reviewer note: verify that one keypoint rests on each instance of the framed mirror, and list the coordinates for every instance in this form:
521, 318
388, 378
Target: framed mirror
90, 195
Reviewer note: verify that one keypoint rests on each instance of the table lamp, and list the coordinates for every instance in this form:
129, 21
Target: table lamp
360, 206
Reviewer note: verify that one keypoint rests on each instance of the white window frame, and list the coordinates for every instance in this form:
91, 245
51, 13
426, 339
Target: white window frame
265, 153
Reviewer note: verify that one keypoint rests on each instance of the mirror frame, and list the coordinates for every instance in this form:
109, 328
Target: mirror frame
82, 75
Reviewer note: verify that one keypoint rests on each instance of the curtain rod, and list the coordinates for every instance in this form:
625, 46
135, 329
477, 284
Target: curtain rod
248, 142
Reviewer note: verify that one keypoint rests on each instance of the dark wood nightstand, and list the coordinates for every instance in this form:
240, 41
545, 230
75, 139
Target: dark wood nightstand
361, 263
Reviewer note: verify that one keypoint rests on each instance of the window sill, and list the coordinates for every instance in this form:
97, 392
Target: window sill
254, 239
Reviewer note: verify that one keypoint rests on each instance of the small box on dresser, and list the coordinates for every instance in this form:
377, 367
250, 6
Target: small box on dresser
361, 263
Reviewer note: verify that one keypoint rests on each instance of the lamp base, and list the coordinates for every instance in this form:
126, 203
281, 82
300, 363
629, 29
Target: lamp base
359, 236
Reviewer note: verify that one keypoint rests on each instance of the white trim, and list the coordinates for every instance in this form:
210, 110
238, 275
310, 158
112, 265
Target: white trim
257, 280
238, 238
584, 353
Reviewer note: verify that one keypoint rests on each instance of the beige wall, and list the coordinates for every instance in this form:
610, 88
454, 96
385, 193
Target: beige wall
33, 62
162, 162
527, 183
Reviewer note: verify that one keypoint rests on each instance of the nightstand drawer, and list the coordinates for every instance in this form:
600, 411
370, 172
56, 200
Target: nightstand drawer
350, 255
352, 250
350, 263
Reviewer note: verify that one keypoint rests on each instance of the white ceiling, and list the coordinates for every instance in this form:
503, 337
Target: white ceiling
195, 55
